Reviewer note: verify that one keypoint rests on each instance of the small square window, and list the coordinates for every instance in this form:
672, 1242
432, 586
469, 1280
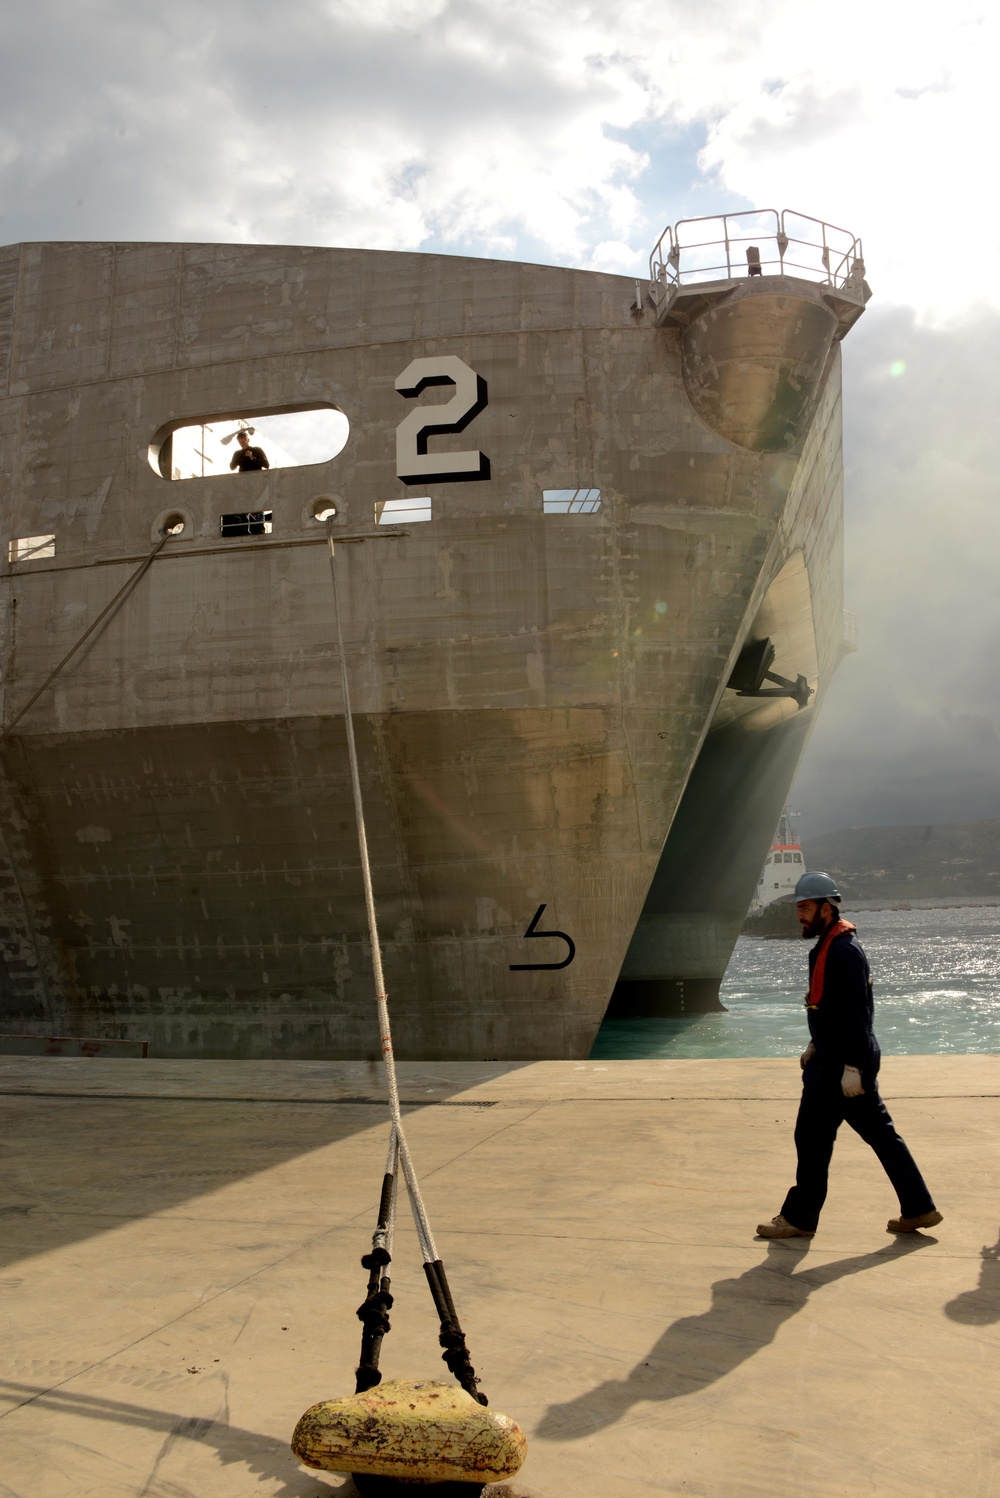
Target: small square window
402, 511
31, 549
246, 523
571, 501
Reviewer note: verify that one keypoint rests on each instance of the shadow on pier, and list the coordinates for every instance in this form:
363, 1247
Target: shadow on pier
745, 1316
981, 1306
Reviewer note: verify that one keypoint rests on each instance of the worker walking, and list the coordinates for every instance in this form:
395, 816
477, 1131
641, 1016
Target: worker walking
840, 1074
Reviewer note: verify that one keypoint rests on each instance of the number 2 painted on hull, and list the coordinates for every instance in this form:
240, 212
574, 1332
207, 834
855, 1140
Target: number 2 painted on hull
414, 464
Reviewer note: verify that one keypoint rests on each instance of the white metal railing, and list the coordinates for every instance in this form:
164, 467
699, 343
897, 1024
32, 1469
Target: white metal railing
762, 242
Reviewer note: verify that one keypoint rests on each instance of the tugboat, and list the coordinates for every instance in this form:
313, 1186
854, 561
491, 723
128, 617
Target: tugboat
772, 909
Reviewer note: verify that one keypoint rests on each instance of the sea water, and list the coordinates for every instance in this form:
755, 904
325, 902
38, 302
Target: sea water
936, 976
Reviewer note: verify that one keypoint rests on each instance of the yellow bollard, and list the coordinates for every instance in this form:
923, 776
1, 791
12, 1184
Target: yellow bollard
415, 1432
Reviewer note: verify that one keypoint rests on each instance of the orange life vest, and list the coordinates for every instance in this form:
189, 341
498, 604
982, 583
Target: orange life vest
819, 966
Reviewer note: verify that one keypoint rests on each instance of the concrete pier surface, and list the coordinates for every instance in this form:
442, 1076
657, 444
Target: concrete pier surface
181, 1245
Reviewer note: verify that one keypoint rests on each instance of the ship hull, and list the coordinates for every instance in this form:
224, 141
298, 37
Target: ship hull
533, 691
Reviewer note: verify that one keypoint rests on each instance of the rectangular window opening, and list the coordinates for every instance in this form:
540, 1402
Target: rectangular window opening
246, 523
402, 511
571, 501
31, 549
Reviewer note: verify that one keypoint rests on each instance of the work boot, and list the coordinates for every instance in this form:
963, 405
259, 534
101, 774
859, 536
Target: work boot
911, 1224
778, 1227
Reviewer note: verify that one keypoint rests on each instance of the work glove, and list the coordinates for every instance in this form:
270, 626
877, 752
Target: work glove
850, 1082
807, 1055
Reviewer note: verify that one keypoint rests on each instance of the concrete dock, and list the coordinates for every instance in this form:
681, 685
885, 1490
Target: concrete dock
181, 1245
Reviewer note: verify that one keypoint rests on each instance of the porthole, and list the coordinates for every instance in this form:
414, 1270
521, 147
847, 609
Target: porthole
322, 508
172, 525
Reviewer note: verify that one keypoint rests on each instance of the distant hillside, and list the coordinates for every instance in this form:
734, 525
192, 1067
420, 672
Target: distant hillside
901, 863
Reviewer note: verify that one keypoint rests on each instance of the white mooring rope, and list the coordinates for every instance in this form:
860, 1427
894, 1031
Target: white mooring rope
399, 1152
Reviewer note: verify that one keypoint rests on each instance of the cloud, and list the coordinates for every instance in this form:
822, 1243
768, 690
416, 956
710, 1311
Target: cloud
882, 132
572, 131
317, 123
911, 729
489, 128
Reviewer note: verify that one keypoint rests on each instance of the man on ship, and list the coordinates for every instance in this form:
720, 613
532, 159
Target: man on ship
248, 459
840, 1074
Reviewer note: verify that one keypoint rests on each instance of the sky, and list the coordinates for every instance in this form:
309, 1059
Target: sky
571, 133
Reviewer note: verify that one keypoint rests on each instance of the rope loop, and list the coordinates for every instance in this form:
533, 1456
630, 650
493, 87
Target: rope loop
374, 1311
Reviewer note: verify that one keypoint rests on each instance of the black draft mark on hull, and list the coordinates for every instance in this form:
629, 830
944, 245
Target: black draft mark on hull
537, 967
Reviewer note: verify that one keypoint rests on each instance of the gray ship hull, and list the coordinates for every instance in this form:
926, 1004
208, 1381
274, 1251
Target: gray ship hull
541, 699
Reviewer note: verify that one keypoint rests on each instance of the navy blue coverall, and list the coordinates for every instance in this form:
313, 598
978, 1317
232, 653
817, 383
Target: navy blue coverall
841, 1030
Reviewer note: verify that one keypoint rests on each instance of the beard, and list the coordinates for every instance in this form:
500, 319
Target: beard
812, 928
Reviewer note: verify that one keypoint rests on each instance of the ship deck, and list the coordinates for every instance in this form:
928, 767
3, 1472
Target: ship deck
181, 1244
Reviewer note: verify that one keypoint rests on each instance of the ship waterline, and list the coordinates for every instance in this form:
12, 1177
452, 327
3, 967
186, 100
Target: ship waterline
540, 693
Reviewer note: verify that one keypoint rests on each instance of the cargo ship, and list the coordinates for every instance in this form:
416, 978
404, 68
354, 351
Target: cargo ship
587, 536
